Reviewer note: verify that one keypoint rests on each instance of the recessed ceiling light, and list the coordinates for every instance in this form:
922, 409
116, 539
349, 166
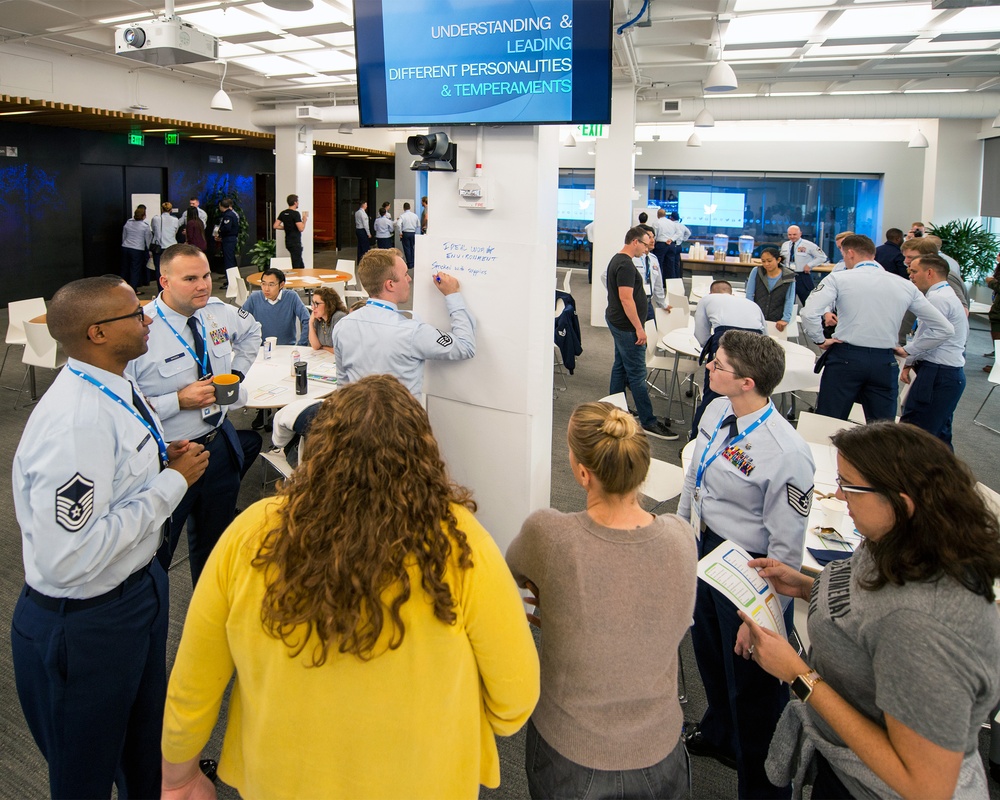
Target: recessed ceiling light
158, 130
204, 136
17, 113
230, 139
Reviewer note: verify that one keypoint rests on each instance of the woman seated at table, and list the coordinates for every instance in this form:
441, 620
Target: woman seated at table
378, 638
905, 634
327, 310
617, 585
772, 287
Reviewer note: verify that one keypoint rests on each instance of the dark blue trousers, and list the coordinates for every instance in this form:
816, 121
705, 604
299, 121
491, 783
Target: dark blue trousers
135, 268
363, 242
933, 398
92, 684
744, 702
210, 505
408, 240
228, 252
672, 267
803, 285
662, 252
853, 374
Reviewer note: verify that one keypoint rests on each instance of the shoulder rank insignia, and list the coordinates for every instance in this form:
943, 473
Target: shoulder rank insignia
799, 500
75, 503
444, 340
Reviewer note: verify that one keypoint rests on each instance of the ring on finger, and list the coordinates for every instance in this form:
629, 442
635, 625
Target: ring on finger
751, 649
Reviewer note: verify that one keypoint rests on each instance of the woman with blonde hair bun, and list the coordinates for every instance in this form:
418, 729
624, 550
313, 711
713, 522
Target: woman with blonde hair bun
377, 636
617, 585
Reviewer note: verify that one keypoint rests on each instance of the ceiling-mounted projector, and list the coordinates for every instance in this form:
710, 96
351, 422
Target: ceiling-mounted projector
165, 42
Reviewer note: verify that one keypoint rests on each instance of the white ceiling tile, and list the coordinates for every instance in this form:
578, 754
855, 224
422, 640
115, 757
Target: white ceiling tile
858, 21
289, 44
229, 22
271, 65
971, 20
772, 27
326, 60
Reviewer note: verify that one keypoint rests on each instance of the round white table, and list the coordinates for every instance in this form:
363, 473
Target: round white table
270, 384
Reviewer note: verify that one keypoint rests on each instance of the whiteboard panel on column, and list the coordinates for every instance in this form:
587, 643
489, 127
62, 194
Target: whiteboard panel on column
491, 274
461, 428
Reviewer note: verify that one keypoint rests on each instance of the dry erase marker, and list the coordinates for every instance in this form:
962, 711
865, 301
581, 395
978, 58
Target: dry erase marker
438, 277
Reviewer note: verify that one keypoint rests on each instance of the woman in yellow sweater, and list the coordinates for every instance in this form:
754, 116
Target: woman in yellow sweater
378, 638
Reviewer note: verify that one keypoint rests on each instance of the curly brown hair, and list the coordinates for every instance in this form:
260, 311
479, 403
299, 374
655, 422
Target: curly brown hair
952, 531
332, 301
371, 495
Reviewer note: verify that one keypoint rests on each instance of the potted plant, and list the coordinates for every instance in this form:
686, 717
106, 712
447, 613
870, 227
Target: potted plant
262, 253
972, 246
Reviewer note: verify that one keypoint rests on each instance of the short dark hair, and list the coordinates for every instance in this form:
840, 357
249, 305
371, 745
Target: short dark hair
643, 216
720, 283
755, 356
935, 263
75, 306
634, 233
647, 228
274, 272
859, 243
406, 206
292, 199
226, 202
178, 251
894, 235
774, 252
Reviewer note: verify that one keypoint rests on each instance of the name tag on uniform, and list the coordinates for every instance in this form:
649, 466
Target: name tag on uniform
210, 410
173, 358
142, 444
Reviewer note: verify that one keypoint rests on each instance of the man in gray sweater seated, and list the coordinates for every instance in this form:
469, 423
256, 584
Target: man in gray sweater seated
276, 310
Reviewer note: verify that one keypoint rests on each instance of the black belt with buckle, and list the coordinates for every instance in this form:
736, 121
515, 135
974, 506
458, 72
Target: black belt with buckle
72, 604
208, 437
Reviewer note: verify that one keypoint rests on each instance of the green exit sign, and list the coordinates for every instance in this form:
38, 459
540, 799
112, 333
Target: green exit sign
137, 139
592, 130
172, 138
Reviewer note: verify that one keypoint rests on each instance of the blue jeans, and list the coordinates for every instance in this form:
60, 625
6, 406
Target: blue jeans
630, 368
554, 777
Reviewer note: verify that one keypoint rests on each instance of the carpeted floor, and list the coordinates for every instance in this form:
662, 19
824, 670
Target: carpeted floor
22, 770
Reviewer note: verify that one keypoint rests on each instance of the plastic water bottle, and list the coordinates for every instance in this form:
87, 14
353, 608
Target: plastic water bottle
295, 357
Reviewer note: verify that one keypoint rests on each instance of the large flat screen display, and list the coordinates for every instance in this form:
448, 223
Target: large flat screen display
465, 62
711, 209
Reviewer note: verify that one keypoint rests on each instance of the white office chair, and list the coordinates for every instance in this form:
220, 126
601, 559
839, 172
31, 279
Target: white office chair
675, 286
353, 295
284, 263
700, 285
559, 368
566, 280
679, 303
663, 482
667, 321
991, 497
656, 364
818, 429
40, 350
19, 312
276, 460
346, 265
993, 379
237, 290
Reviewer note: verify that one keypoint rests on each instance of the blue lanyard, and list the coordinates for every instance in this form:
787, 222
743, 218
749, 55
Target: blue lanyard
160, 444
704, 465
203, 363
382, 305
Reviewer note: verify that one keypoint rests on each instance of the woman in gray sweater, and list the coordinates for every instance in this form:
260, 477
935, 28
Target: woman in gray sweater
618, 586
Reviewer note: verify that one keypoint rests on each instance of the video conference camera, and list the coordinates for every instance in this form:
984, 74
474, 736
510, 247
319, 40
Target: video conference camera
435, 151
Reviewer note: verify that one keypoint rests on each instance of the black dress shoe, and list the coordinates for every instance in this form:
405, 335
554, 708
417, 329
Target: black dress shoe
696, 745
258, 421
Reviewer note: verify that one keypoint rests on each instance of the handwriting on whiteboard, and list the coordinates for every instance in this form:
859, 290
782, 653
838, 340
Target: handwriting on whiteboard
464, 257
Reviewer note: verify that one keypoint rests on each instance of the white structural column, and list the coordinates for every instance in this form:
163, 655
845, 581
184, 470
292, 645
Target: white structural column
293, 169
613, 193
492, 415
953, 171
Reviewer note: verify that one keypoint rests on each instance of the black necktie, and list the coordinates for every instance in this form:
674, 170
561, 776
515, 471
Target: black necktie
199, 349
141, 407
199, 345
647, 269
734, 429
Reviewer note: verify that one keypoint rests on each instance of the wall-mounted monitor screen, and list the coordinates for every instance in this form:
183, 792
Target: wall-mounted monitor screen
576, 204
711, 209
466, 62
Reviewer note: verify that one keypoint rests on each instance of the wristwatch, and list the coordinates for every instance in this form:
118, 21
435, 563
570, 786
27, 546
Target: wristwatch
803, 685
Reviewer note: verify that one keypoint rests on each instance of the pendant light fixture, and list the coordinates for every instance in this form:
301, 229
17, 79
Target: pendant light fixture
221, 101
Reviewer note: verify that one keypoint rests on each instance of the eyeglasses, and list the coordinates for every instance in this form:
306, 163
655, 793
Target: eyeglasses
269, 284
715, 365
849, 489
137, 314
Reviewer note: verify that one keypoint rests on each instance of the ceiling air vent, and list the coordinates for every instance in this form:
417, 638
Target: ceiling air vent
672, 107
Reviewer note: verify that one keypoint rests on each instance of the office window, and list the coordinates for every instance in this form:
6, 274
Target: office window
763, 205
